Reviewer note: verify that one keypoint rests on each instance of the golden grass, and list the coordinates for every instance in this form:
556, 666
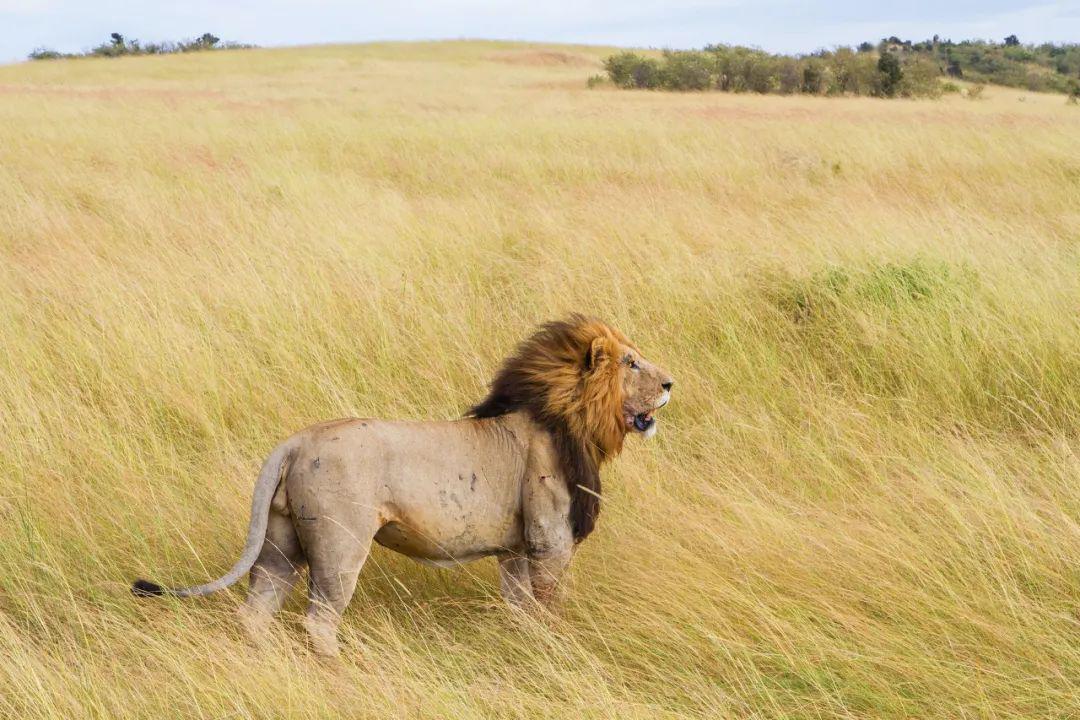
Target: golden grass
863, 501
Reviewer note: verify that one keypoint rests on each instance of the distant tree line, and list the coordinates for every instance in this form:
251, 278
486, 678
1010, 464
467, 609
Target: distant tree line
741, 69
1044, 67
891, 68
118, 45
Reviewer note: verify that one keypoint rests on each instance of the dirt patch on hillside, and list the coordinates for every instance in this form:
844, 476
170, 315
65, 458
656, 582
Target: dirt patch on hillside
544, 58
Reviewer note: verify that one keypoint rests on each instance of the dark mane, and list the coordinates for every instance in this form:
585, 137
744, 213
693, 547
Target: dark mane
547, 377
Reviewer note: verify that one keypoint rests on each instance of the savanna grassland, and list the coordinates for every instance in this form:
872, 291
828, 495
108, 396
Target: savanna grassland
863, 501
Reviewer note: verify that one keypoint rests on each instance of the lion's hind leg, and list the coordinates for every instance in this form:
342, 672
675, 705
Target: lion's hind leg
336, 554
273, 576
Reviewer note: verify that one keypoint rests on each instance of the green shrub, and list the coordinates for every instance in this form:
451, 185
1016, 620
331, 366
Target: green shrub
889, 74
789, 74
630, 70
206, 41
686, 70
116, 46
813, 77
45, 54
619, 67
920, 79
646, 74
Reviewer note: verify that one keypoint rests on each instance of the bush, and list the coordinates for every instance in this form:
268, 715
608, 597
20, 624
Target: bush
630, 70
116, 46
619, 67
45, 54
789, 75
647, 74
686, 70
890, 74
206, 41
950, 88
920, 79
813, 78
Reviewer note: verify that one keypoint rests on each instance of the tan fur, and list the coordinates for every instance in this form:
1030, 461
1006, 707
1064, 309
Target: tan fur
516, 479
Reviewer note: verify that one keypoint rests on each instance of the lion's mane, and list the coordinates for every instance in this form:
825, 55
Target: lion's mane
567, 376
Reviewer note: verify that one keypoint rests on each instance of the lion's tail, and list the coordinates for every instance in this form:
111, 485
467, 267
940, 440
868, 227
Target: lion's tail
273, 471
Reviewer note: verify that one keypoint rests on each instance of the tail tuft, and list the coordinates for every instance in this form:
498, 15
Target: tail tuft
145, 588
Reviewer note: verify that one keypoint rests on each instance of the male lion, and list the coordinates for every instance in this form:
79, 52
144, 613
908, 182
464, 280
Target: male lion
517, 478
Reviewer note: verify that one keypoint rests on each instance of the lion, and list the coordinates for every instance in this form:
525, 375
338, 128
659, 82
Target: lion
516, 478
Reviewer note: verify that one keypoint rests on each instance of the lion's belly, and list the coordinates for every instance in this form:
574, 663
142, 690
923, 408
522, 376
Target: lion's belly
403, 539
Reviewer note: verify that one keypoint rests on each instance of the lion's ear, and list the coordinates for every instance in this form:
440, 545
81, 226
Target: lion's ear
597, 354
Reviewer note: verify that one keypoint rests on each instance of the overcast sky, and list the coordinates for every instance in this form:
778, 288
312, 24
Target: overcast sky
777, 25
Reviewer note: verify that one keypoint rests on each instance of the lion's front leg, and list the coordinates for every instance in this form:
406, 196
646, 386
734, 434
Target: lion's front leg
545, 572
526, 582
515, 583
549, 541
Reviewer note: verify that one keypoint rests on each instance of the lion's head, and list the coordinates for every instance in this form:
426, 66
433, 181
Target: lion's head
588, 385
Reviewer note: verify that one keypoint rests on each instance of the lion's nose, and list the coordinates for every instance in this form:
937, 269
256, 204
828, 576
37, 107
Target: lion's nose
667, 385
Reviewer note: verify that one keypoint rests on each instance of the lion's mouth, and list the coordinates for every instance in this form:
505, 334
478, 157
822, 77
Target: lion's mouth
641, 422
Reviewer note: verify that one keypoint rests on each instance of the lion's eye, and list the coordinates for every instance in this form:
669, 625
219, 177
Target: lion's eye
634, 365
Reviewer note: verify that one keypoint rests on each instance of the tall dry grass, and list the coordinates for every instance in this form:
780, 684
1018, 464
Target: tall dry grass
863, 501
